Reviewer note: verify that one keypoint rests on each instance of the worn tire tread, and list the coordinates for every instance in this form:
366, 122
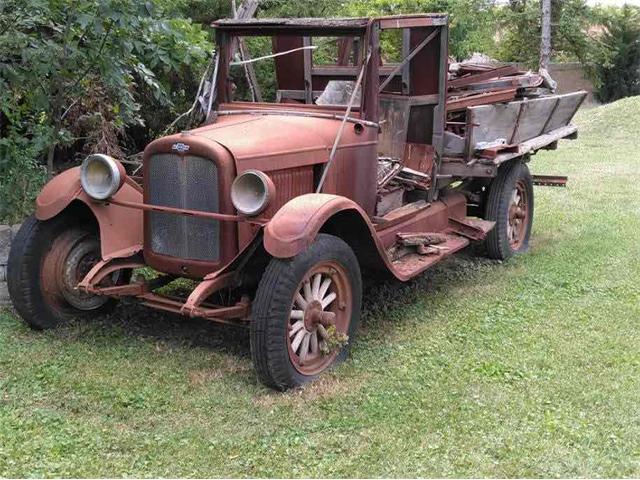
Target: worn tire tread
497, 207
272, 303
23, 273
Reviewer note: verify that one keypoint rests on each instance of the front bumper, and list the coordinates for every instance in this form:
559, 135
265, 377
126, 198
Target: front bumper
195, 305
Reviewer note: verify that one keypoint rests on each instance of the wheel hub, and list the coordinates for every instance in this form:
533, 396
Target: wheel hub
314, 315
81, 258
72, 254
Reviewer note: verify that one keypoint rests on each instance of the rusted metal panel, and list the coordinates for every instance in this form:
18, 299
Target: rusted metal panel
121, 231
419, 157
289, 68
473, 229
276, 142
550, 180
413, 264
290, 183
425, 218
399, 215
389, 199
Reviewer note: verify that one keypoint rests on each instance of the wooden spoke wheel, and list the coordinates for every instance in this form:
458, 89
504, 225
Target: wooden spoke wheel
323, 301
518, 216
305, 314
510, 205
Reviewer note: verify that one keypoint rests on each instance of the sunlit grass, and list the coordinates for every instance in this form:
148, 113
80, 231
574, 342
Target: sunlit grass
527, 368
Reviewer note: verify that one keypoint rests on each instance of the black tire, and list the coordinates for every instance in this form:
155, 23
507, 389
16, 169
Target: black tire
273, 303
31, 245
498, 207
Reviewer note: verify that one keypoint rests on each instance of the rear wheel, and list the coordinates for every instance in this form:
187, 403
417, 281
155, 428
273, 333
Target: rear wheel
510, 205
305, 314
46, 262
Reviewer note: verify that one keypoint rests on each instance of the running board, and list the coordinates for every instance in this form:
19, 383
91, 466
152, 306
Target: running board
414, 252
412, 264
474, 229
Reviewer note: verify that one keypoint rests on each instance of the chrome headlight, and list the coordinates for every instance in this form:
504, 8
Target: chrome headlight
251, 192
101, 176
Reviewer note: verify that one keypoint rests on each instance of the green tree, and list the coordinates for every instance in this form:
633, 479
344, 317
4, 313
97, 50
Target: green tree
472, 22
75, 75
617, 69
519, 31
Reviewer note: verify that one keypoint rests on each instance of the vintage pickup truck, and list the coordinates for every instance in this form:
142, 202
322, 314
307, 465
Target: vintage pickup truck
357, 166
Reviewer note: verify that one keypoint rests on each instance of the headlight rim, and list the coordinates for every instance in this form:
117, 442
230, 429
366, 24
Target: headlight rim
268, 194
116, 170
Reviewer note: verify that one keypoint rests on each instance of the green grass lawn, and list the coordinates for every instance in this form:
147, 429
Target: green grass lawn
526, 368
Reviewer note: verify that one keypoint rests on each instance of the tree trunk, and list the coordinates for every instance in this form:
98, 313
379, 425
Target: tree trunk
51, 153
545, 38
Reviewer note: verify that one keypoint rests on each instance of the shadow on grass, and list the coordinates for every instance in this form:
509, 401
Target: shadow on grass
382, 296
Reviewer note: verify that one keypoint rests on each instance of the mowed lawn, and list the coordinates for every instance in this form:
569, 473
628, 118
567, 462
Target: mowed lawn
525, 368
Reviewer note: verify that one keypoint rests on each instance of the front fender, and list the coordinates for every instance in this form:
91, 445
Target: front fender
121, 229
295, 226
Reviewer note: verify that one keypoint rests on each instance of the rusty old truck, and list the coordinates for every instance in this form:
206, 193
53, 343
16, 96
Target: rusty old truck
358, 161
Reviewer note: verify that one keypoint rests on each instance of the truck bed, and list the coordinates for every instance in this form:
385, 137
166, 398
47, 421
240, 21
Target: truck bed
499, 132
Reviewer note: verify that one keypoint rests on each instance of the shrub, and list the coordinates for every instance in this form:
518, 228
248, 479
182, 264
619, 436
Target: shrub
21, 176
617, 71
520, 31
88, 76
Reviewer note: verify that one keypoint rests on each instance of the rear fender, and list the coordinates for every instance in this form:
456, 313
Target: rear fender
295, 226
121, 229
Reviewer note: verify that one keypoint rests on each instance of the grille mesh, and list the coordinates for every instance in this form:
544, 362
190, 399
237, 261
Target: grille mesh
189, 182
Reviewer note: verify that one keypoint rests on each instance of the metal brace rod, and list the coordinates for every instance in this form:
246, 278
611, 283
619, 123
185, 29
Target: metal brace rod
273, 55
408, 58
332, 155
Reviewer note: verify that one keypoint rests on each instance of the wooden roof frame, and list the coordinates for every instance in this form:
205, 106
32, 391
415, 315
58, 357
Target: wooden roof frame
325, 26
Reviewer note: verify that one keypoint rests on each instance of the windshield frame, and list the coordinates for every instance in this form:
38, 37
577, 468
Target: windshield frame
227, 34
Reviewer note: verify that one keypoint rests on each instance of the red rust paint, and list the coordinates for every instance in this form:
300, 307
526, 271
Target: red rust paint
215, 152
297, 224
292, 150
120, 228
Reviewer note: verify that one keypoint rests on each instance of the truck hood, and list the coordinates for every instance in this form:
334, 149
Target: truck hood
273, 142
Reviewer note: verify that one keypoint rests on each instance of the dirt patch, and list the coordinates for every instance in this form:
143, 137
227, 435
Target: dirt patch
228, 366
326, 387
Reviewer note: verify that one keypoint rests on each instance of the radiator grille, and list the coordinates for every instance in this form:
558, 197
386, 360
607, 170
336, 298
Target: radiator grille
183, 182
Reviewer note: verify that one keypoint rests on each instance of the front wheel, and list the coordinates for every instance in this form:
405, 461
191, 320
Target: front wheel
46, 262
306, 313
510, 205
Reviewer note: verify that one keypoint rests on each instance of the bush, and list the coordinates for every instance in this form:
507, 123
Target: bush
21, 176
617, 71
519, 27
87, 76
472, 22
